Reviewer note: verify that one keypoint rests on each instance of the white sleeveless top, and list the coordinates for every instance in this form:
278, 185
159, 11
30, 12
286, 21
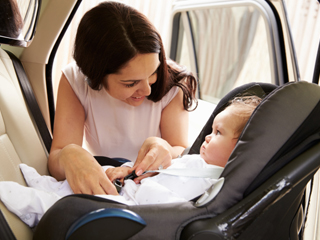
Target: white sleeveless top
114, 128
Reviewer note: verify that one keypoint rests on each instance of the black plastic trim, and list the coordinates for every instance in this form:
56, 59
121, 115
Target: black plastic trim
316, 72
49, 65
282, 47
175, 42
5, 231
175, 36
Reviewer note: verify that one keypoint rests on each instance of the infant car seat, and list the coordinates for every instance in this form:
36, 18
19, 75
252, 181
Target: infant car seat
277, 154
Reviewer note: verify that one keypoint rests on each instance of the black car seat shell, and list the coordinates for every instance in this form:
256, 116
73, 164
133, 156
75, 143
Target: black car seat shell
272, 125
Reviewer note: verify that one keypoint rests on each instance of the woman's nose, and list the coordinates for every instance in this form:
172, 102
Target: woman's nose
145, 88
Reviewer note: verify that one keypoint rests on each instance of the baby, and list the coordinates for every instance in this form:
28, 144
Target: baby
226, 129
43, 191
214, 152
217, 147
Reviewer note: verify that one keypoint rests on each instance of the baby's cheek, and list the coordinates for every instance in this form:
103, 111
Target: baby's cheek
206, 158
201, 154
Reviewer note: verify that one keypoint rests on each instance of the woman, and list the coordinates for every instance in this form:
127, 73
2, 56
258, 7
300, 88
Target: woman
120, 96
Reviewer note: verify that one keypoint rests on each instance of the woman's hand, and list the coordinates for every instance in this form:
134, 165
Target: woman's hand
117, 173
83, 172
155, 153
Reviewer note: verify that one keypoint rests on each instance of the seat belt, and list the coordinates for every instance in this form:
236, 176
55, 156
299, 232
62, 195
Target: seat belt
31, 102
213, 172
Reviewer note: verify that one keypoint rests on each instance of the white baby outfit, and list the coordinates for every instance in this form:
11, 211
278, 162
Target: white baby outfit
114, 128
44, 191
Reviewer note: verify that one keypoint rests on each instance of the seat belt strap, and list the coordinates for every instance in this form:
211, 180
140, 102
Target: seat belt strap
213, 172
31, 102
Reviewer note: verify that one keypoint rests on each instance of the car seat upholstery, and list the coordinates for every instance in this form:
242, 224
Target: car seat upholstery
286, 119
19, 141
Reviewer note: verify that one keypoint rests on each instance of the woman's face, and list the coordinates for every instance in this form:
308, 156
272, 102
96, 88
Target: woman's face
132, 84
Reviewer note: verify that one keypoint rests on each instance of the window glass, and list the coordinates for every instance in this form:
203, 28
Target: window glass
231, 48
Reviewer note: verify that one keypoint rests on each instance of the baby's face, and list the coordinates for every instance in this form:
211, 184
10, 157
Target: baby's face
218, 146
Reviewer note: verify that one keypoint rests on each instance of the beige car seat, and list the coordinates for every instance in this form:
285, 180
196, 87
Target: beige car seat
19, 140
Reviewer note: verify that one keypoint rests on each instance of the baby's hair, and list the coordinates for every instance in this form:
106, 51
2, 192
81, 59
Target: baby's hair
248, 101
244, 107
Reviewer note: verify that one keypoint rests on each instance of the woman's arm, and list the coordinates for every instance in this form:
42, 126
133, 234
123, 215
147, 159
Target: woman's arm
68, 126
67, 158
174, 125
174, 132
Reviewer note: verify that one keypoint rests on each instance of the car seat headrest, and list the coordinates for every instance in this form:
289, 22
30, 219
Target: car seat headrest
277, 120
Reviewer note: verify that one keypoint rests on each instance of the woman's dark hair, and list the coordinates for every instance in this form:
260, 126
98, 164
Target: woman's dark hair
111, 34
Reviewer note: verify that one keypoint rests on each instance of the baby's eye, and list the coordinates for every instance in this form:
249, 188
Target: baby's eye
218, 132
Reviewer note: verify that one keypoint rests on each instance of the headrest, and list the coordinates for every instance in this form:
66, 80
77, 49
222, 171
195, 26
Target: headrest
285, 118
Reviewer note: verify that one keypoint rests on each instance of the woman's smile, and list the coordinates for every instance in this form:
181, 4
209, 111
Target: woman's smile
138, 98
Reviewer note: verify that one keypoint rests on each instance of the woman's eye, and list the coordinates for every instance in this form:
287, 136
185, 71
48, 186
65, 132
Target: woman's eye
131, 84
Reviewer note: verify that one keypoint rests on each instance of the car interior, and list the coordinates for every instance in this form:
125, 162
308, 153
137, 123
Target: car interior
264, 193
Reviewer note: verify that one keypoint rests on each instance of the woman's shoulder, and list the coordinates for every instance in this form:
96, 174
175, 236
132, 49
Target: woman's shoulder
73, 72
169, 96
77, 80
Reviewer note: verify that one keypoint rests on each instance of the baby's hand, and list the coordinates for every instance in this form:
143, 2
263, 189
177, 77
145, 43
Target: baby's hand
117, 173
137, 180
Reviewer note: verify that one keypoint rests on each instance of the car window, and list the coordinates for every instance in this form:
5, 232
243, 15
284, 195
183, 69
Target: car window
226, 46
